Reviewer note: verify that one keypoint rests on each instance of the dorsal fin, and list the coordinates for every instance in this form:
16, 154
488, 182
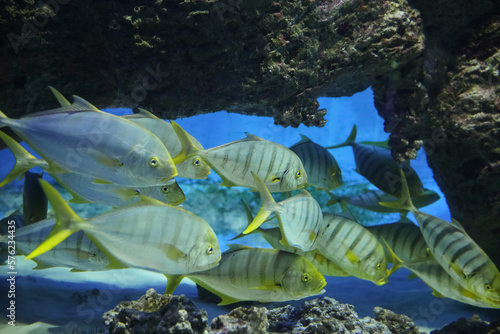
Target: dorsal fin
146, 113
79, 105
305, 139
251, 137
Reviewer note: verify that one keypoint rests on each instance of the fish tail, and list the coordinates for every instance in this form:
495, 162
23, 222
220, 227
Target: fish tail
67, 221
189, 149
249, 219
60, 98
404, 202
24, 160
173, 282
349, 141
2, 118
396, 261
268, 205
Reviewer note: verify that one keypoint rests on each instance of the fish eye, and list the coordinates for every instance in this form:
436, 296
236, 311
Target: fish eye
210, 250
379, 266
305, 277
165, 189
197, 162
298, 174
153, 162
487, 287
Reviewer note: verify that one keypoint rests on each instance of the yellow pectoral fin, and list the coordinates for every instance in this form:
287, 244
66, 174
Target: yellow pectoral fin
457, 270
101, 181
437, 294
267, 287
352, 257
109, 161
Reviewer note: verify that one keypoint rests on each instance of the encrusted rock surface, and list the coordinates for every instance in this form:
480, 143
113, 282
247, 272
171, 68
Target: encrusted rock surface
472, 325
155, 313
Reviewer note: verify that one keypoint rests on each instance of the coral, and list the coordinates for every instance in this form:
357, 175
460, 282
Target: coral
155, 313
241, 320
471, 325
397, 323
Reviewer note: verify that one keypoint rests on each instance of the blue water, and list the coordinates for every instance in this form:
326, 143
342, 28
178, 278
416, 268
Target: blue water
222, 127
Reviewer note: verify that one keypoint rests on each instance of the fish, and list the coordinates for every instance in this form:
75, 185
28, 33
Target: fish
85, 190
279, 167
192, 168
323, 171
454, 250
15, 221
77, 251
374, 161
370, 199
299, 217
257, 274
354, 249
82, 139
34, 200
149, 235
404, 238
273, 237
443, 285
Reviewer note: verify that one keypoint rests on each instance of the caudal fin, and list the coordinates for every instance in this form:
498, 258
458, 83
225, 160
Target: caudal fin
66, 221
189, 149
24, 160
404, 203
268, 205
349, 141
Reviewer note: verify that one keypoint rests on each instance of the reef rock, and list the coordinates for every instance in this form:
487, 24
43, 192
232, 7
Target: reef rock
472, 325
156, 313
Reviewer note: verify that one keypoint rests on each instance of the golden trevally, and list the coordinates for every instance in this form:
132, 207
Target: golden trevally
444, 286
278, 166
76, 252
370, 199
82, 139
84, 189
192, 168
264, 275
354, 249
322, 169
454, 249
374, 161
149, 235
273, 237
299, 217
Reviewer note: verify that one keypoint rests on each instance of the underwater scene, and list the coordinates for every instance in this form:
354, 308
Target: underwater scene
337, 238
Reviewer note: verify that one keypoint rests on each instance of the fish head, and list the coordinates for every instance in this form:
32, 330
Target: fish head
205, 254
149, 165
193, 168
302, 279
486, 283
335, 177
376, 269
293, 177
169, 193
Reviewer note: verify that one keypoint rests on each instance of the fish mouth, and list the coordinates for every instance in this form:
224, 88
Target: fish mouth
382, 281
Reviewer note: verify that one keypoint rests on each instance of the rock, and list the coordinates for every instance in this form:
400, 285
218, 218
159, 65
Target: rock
156, 313
251, 320
472, 325
397, 323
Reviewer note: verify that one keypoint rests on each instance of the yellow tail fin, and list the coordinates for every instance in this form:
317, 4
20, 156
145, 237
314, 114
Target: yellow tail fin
268, 205
349, 141
189, 149
404, 202
24, 160
66, 221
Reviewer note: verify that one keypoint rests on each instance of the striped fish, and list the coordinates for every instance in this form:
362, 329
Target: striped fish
85, 190
455, 250
34, 199
82, 139
279, 167
322, 169
273, 237
149, 235
371, 198
258, 274
404, 238
192, 168
353, 248
76, 252
444, 286
299, 217
374, 161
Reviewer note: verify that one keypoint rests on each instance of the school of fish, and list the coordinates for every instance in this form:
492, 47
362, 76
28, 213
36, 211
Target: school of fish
130, 163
